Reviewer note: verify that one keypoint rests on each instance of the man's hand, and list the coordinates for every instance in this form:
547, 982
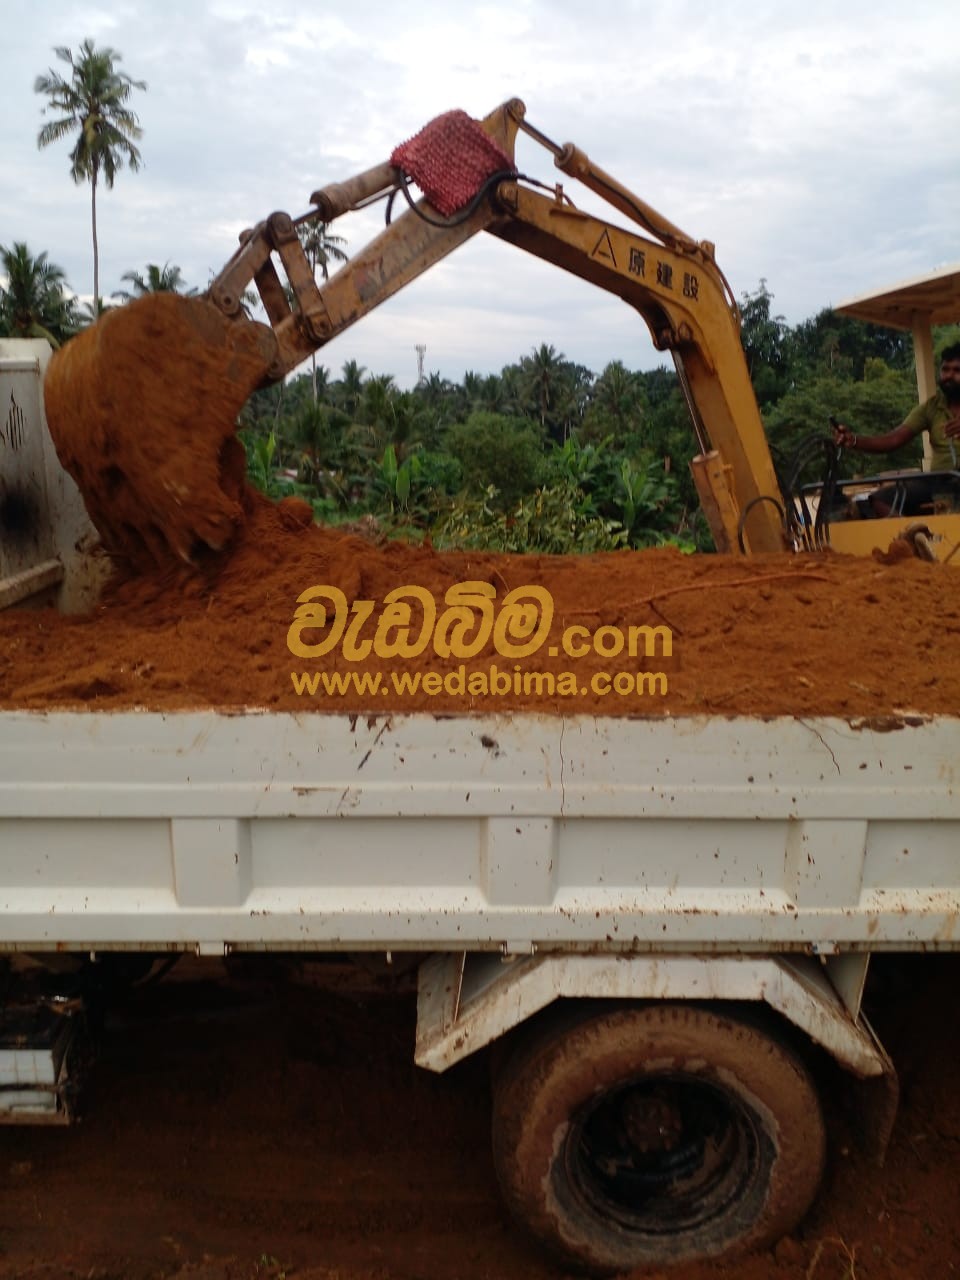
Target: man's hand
844, 438
952, 428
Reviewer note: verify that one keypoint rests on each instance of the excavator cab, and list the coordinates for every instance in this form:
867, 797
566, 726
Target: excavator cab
893, 494
896, 506
863, 510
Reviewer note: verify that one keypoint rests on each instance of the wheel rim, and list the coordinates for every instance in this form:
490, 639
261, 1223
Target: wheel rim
664, 1154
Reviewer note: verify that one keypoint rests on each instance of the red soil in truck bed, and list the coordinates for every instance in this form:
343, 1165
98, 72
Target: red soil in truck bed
768, 635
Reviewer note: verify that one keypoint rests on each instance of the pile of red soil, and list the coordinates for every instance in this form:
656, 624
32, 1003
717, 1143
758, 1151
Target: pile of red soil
804, 635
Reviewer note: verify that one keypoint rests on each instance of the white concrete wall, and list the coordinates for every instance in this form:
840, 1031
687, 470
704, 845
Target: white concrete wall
60, 529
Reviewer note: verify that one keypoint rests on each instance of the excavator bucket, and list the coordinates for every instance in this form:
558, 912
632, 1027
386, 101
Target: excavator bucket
142, 408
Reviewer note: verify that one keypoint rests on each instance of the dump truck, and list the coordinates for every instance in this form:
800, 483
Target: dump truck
658, 927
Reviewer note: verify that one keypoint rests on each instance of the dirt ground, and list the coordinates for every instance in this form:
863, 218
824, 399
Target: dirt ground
239, 1129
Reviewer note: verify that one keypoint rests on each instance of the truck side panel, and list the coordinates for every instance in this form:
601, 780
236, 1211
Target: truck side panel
266, 831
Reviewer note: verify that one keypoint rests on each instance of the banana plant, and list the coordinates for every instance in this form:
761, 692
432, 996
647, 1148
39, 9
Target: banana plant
641, 494
397, 478
261, 471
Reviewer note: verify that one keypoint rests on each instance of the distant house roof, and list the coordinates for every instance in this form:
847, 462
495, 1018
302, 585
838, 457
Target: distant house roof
936, 297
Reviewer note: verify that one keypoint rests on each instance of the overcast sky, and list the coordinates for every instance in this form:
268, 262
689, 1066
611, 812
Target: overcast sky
816, 144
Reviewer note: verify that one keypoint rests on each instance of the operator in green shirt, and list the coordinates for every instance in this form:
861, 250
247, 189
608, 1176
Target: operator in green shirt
939, 417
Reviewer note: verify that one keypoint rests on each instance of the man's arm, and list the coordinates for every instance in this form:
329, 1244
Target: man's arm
887, 443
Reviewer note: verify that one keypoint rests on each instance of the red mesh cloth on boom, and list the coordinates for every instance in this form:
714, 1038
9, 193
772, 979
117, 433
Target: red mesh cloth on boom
450, 159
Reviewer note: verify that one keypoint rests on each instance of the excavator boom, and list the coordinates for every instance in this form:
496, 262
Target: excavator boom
143, 405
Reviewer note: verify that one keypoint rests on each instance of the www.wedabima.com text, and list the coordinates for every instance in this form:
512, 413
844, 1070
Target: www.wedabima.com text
479, 682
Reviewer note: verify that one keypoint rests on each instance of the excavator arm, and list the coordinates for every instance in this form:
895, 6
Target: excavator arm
220, 356
672, 281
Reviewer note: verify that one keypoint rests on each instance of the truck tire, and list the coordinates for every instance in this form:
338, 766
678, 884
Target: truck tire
655, 1134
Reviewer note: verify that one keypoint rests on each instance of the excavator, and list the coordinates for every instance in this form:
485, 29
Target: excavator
143, 405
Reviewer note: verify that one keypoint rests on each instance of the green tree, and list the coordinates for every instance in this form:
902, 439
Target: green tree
33, 302
764, 338
499, 452
496, 395
636, 494
872, 406
666, 431
92, 103
617, 405
944, 336
543, 383
348, 392
839, 345
87, 313
554, 520
471, 392
311, 431
165, 279
551, 389
439, 400
645, 500
376, 407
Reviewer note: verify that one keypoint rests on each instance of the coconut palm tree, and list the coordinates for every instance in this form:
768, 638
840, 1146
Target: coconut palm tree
93, 104
165, 279
542, 380
321, 249
349, 389
438, 398
471, 391
33, 302
554, 390
88, 314
617, 405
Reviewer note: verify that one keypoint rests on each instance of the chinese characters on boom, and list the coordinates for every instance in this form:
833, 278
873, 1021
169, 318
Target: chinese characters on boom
638, 267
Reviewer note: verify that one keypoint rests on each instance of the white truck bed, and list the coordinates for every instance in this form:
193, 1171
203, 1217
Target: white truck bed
518, 833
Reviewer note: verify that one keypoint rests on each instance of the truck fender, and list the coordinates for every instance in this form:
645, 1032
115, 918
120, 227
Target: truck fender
467, 1001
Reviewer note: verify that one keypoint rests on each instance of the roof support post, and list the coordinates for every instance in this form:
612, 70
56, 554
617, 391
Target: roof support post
921, 325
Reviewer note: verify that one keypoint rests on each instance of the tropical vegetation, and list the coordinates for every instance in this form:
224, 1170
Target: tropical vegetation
35, 301
550, 456
165, 279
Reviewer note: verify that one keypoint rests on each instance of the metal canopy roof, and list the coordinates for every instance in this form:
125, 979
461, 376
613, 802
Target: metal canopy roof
935, 298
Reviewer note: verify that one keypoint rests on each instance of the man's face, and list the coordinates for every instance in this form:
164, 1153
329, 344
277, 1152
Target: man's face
950, 379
